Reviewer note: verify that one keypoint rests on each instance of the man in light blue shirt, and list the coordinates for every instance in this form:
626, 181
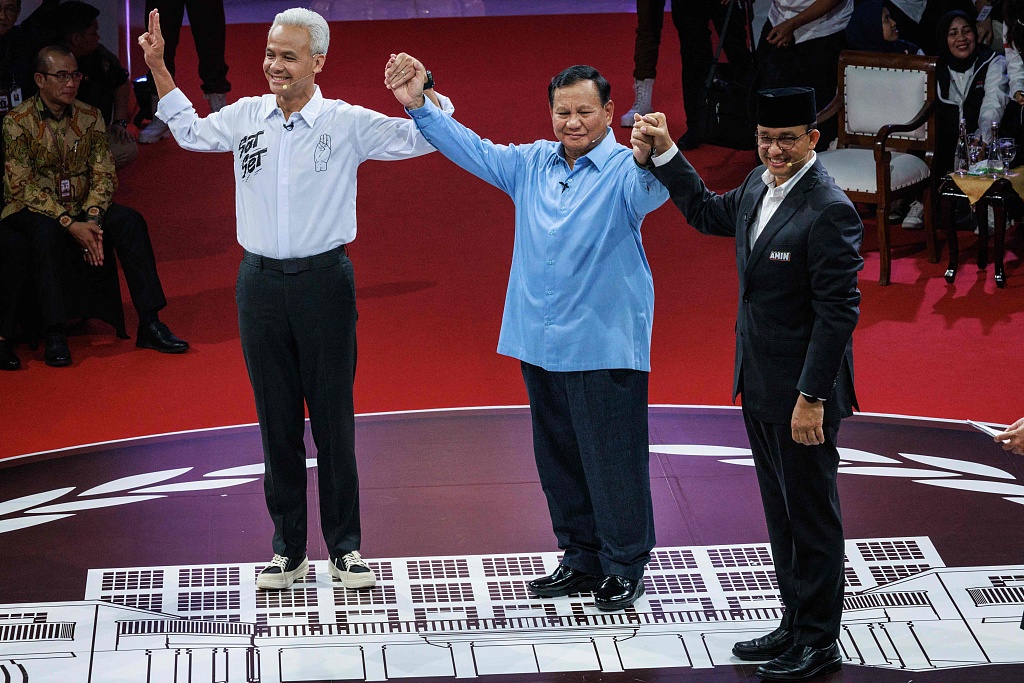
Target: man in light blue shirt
578, 315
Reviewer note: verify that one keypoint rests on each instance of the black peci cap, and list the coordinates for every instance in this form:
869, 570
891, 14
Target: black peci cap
785, 107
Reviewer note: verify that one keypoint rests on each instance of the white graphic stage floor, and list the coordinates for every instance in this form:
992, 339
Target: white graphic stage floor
471, 616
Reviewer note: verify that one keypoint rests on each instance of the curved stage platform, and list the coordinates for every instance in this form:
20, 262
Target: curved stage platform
135, 561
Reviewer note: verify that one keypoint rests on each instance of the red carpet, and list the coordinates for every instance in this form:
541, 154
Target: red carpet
433, 254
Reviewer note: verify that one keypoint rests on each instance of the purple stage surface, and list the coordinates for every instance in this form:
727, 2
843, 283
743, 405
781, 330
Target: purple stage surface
129, 559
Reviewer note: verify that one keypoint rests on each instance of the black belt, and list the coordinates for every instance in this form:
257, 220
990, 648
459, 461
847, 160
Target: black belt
290, 266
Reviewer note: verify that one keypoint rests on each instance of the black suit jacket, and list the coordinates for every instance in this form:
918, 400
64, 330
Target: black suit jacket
798, 296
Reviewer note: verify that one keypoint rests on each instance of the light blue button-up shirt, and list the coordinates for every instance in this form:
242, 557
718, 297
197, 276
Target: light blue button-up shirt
580, 293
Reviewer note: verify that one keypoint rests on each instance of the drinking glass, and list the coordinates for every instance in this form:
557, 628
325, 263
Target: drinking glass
975, 153
1007, 151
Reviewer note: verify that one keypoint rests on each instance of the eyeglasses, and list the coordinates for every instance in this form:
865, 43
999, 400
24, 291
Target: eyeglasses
65, 76
785, 142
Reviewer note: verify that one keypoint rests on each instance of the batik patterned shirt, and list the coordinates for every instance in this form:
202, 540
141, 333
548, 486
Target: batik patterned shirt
39, 148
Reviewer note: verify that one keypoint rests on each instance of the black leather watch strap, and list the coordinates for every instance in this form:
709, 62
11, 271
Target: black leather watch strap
429, 85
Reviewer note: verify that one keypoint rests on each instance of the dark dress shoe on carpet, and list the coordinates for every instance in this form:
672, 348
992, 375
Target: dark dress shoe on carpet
764, 648
688, 140
158, 336
56, 353
802, 663
8, 359
617, 592
564, 581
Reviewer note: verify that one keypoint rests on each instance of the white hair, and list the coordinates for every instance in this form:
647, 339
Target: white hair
319, 32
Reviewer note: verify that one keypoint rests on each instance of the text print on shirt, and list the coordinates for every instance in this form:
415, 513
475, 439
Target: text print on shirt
250, 154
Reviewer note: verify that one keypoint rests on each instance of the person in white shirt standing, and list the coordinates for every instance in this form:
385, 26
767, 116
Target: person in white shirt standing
800, 46
296, 155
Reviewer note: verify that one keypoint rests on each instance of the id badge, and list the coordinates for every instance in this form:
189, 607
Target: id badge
64, 191
16, 97
5, 102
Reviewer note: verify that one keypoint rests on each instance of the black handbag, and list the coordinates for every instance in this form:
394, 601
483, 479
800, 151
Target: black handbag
726, 114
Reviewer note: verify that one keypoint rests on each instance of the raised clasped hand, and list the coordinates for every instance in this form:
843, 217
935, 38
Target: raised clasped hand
404, 76
653, 127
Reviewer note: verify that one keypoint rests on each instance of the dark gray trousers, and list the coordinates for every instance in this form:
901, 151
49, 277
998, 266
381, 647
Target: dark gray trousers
124, 233
13, 272
298, 334
590, 440
805, 526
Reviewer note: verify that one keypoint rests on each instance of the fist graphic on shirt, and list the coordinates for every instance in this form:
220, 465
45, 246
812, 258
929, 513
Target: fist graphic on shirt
322, 153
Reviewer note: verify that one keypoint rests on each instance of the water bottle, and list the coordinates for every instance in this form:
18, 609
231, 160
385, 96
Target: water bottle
960, 161
995, 163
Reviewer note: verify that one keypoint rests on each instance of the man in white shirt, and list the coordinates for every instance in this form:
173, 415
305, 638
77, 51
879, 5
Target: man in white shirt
296, 155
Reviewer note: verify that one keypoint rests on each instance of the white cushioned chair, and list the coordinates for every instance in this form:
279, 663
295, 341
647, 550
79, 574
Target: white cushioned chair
886, 107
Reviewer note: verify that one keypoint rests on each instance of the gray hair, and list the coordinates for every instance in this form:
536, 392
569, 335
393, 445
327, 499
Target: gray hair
319, 32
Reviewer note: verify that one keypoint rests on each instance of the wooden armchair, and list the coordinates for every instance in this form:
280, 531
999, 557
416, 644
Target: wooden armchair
886, 106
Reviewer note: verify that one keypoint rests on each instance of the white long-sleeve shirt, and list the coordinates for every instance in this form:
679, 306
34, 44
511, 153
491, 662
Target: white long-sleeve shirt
1014, 69
295, 181
834, 21
994, 101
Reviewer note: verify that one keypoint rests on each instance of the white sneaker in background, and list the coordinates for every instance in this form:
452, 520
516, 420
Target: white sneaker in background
898, 209
914, 220
156, 131
643, 92
217, 100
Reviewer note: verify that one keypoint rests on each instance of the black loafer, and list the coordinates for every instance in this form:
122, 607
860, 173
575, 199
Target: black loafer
8, 359
802, 662
764, 648
617, 592
564, 581
56, 353
158, 336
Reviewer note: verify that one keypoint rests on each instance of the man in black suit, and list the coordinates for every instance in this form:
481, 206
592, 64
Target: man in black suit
797, 251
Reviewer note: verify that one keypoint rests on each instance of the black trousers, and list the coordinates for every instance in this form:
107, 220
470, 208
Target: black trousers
124, 233
298, 334
812, 63
805, 527
691, 19
590, 440
206, 17
14, 252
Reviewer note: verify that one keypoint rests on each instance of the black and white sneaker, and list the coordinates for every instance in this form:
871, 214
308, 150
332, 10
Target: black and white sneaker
282, 573
352, 571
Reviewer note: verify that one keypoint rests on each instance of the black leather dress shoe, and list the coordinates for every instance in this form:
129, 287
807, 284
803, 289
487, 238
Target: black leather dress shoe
564, 581
617, 592
56, 353
802, 662
8, 359
764, 648
158, 336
